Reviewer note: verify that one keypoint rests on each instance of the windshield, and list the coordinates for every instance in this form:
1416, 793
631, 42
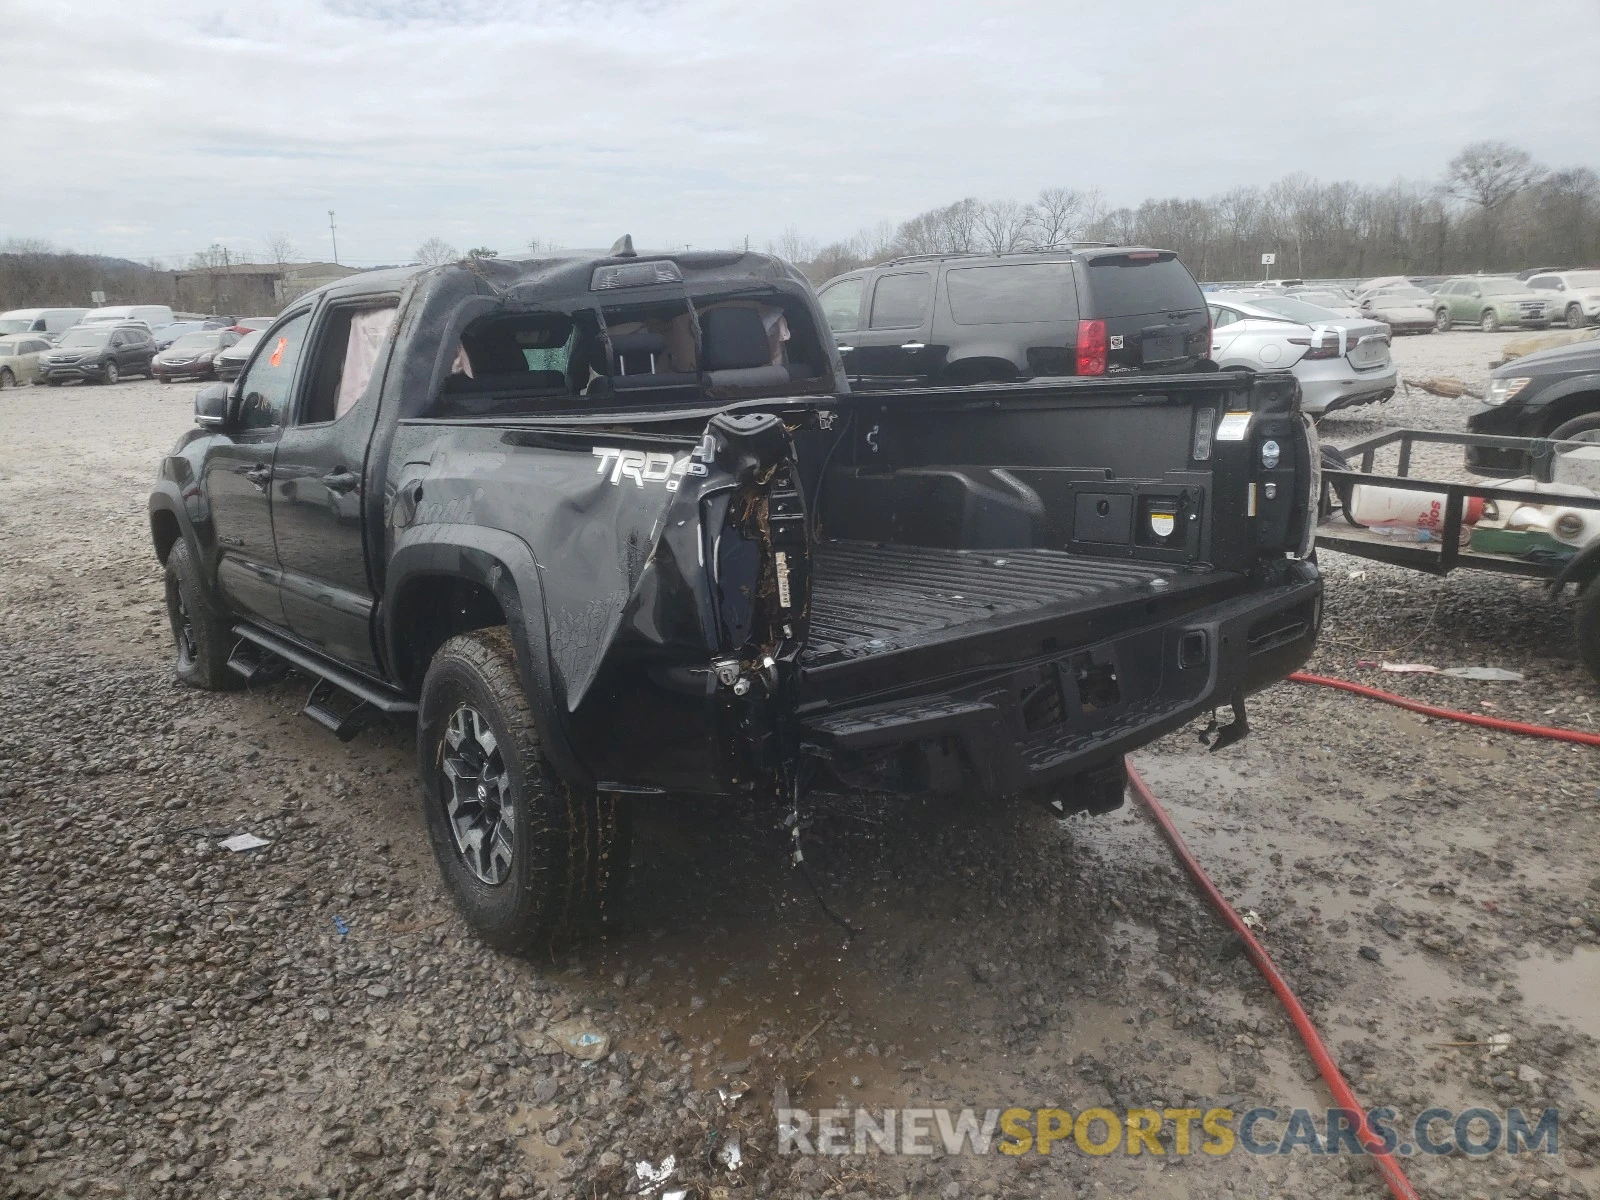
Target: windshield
1584, 279
1501, 287
83, 337
1295, 310
15, 325
198, 341
245, 344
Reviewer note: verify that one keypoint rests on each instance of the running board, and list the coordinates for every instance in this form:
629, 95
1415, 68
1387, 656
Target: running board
375, 695
343, 723
256, 664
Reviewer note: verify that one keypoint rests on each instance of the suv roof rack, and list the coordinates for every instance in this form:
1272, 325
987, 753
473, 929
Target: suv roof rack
941, 255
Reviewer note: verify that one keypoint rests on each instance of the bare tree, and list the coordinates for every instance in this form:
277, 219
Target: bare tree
539, 245
1003, 226
876, 242
435, 251
1490, 174
793, 246
214, 255
1059, 216
281, 248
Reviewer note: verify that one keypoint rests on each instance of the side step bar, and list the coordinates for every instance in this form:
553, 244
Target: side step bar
375, 695
254, 665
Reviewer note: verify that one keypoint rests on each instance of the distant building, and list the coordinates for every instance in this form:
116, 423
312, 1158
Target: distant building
250, 289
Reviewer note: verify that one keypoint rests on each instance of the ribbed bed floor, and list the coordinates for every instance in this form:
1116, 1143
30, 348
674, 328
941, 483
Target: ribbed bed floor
868, 599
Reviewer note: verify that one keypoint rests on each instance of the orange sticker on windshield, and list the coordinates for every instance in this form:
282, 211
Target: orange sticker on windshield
277, 352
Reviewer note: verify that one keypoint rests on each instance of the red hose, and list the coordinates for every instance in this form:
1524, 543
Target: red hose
1361, 689
1399, 1185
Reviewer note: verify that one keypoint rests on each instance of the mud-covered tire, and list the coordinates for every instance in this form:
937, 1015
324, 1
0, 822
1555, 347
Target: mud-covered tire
1589, 628
1441, 321
7, 379
202, 653
568, 847
1489, 322
1575, 317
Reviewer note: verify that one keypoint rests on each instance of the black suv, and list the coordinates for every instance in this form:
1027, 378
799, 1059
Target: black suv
1553, 393
104, 352
1090, 309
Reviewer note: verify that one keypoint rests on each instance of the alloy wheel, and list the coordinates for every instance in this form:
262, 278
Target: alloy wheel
478, 796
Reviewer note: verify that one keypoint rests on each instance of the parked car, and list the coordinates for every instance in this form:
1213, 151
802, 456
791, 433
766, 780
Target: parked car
253, 322
1490, 302
725, 565
192, 356
1368, 286
153, 315
956, 319
165, 335
1337, 302
230, 361
1403, 307
1339, 362
1574, 296
52, 322
1532, 271
1551, 393
19, 358
103, 352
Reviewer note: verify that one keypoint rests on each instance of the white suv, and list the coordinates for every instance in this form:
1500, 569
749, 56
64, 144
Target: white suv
1574, 296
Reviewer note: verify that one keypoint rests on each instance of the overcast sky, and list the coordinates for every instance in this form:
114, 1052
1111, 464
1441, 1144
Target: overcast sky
155, 128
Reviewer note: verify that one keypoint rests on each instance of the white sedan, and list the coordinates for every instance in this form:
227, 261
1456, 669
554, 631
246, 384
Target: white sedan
19, 358
1339, 361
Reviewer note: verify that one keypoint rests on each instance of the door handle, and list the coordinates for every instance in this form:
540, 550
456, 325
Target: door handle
340, 481
846, 349
913, 346
260, 475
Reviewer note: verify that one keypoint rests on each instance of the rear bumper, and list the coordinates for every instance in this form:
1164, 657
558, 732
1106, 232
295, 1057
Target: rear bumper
1043, 722
1326, 387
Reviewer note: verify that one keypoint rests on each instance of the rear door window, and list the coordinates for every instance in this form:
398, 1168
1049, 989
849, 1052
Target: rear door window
901, 301
841, 305
1031, 292
1128, 285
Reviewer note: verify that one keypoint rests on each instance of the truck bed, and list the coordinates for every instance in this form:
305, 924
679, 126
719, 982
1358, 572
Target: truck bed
871, 602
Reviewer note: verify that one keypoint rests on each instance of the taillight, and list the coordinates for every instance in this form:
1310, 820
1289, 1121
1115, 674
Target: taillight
1327, 349
1091, 347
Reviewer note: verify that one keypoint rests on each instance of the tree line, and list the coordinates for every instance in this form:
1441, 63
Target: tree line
1495, 209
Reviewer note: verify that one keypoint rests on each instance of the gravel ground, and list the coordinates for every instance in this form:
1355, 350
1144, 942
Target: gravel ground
313, 1020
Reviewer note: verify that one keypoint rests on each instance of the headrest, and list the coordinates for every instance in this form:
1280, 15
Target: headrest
734, 338
643, 342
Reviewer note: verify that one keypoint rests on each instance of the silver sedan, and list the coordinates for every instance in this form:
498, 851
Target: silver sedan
1339, 361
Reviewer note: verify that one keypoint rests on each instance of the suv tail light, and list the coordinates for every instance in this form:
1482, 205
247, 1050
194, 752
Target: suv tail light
1091, 347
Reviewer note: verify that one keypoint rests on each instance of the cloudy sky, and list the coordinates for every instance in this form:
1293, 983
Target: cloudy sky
153, 129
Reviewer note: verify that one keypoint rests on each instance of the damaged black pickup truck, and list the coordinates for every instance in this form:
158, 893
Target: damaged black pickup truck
613, 526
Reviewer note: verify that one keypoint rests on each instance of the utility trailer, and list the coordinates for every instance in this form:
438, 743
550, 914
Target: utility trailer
1575, 565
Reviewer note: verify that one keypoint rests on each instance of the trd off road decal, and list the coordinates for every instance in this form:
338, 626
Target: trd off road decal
645, 466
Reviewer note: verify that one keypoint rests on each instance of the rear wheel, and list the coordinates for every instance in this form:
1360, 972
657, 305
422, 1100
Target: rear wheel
111, 374
7, 379
533, 862
1575, 316
1441, 320
1489, 322
199, 630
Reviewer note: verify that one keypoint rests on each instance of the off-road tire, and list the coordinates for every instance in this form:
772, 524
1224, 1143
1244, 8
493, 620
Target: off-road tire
570, 846
7, 379
1588, 628
1441, 320
1575, 317
110, 374
202, 657
1489, 322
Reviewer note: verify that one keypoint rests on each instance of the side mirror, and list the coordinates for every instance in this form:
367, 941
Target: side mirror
211, 406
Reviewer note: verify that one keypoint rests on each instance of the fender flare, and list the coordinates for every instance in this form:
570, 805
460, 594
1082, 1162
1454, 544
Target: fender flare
504, 565
166, 498
1565, 390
